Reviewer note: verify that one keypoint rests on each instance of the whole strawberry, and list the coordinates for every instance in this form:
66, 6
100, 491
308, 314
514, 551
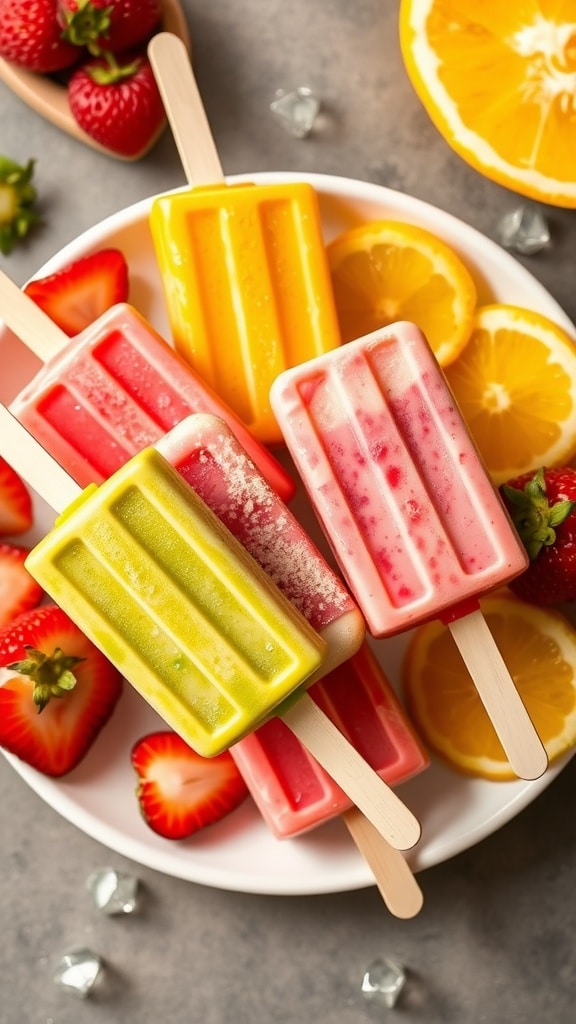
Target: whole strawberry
108, 24
57, 690
31, 37
117, 103
543, 510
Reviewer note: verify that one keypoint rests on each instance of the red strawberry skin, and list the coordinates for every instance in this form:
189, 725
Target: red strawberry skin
15, 502
130, 21
179, 791
30, 36
77, 295
18, 590
55, 739
551, 576
125, 116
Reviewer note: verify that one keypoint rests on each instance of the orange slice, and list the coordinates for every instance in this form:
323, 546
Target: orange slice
539, 647
497, 79
515, 383
386, 270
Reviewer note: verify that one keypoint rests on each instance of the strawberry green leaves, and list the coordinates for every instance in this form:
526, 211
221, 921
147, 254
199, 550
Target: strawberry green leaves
51, 674
533, 515
17, 203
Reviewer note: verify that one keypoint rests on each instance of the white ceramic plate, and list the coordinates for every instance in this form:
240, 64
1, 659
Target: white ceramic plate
239, 853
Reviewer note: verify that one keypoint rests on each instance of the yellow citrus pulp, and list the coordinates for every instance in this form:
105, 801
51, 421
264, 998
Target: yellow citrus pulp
386, 270
515, 383
498, 79
539, 648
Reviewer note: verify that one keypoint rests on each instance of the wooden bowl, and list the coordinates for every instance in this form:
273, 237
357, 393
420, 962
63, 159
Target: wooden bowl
50, 99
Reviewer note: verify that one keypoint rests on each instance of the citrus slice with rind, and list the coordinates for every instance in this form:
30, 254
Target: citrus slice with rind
498, 79
539, 648
515, 383
388, 270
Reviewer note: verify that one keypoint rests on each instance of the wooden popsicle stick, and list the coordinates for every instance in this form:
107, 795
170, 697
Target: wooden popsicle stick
497, 691
380, 804
34, 464
28, 322
185, 110
396, 882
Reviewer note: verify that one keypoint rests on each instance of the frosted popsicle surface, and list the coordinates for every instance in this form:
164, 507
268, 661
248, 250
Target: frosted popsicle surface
210, 459
395, 479
163, 589
115, 389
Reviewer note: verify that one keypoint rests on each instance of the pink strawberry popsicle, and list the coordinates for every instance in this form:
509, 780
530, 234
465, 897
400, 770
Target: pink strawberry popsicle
111, 391
411, 515
355, 695
208, 456
292, 791
358, 703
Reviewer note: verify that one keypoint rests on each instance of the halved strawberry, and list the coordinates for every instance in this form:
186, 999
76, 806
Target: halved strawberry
18, 590
57, 690
178, 790
15, 502
76, 295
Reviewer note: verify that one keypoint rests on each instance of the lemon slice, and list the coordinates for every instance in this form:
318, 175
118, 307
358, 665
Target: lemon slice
498, 80
539, 648
386, 270
515, 383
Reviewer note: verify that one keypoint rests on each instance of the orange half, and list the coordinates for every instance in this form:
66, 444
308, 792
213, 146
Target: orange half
498, 79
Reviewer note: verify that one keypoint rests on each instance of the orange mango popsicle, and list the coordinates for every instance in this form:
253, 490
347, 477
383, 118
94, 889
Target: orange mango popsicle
244, 268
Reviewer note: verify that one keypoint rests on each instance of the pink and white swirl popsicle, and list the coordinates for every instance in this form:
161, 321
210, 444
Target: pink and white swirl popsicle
411, 515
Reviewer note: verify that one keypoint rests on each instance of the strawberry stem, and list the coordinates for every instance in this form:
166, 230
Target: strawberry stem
85, 24
110, 71
533, 516
51, 674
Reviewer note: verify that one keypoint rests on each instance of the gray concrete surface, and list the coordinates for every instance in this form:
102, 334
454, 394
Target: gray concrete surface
495, 941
